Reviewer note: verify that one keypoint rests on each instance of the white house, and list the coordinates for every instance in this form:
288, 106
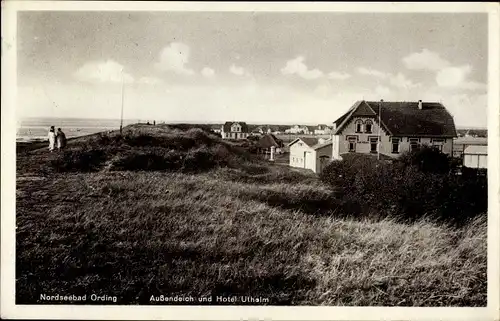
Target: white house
310, 153
322, 130
391, 128
476, 156
298, 129
235, 130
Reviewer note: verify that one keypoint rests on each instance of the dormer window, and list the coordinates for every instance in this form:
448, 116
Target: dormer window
236, 128
368, 126
359, 126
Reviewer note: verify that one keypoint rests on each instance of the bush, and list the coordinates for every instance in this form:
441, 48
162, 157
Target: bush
406, 190
200, 160
427, 159
85, 160
153, 160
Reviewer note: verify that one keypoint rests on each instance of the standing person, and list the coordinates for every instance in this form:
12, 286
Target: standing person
52, 138
60, 139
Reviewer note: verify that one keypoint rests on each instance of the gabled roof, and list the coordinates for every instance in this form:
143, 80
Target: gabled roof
405, 118
228, 124
309, 141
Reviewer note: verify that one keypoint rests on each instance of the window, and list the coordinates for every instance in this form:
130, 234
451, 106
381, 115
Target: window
352, 144
368, 126
414, 144
359, 126
438, 147
395, 145
437, 143
373, 144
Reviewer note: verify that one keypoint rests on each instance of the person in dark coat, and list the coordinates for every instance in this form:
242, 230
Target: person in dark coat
60, 139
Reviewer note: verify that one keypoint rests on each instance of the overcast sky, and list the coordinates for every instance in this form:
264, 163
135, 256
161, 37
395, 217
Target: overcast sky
255, 67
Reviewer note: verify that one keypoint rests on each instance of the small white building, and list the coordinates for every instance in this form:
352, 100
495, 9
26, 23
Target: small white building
298, 129
322, 130
310, 153
476, 156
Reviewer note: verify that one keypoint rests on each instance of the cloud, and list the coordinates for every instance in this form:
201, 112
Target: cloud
382, 90
108, 71
400, 81
239, 71
175, 57
339, 75
150, 81
447, 76
298, 67
452, 76
426, 60
372, 72
456, 78
208, 72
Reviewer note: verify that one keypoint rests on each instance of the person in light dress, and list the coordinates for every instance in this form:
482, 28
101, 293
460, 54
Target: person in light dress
52, 138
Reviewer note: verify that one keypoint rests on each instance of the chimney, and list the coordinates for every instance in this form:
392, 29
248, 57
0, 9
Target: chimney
420, 104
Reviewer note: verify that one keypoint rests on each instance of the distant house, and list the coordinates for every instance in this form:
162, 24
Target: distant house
403, 126
234, 130
298, 129
310, 153
322, 130
259, 130
476, 156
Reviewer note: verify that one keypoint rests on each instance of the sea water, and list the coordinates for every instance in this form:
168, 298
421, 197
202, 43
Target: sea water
32, 129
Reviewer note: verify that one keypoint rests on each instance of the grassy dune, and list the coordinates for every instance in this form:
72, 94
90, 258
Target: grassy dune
276, 234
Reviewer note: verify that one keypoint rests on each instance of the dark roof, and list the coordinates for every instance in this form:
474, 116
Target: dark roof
406, 119
344, 116
310, 141
228, 124
269, 140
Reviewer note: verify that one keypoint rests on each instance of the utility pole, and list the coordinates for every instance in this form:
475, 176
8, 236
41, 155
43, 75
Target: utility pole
121, 114
379, 127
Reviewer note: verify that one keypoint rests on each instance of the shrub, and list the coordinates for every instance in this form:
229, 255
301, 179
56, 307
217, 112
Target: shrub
152, 160
427, 159
406, 191
84, 160
200, 160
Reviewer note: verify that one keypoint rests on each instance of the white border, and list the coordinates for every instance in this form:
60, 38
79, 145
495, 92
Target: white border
8, 309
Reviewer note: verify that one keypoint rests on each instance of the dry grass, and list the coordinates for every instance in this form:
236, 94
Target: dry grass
138, 234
